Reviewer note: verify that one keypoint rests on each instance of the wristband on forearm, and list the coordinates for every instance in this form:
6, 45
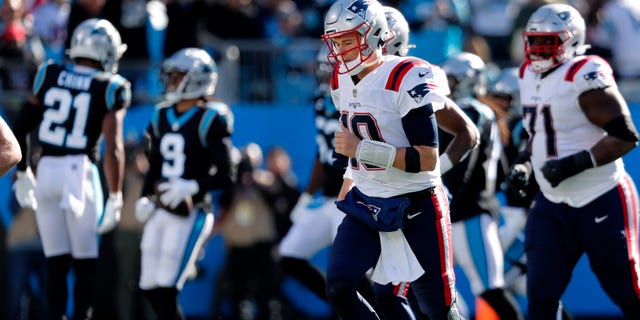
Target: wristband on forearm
578, 162
376, 153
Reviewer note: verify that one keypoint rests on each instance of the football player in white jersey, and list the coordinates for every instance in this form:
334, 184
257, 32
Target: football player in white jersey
316, 218
73, 106
189, 140
579, 127
397, 217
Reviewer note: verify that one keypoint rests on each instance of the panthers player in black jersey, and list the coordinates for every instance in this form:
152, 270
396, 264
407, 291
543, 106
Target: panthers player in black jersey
190, 145
472, 182
72, 106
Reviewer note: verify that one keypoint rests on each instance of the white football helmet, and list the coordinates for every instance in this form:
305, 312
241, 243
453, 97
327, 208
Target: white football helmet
201, 74
468, 72
507, 85
97, 39
563, 30
398, 42
365, 19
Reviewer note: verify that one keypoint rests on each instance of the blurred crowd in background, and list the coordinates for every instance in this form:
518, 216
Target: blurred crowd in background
266, 53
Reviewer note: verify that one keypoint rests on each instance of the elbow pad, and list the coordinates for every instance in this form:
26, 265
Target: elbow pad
622, 128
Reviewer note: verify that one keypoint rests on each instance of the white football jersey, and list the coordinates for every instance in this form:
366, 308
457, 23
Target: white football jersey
374, 108
552, 116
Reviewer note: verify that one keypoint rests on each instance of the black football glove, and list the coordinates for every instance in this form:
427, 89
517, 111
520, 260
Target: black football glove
519, 174
556, 171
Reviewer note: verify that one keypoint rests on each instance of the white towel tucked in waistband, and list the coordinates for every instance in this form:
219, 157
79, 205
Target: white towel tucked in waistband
397, 262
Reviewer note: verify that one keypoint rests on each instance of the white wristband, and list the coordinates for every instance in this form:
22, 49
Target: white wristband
445, 163
376, 153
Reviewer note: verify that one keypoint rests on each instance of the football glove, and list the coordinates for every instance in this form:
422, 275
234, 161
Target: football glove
519, 174
176, 190
301, 206
24, 188
557, 170
112, 212
144, 209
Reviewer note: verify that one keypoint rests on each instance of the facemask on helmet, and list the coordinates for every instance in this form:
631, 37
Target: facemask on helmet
467, 71
554, 34
200, 74
97, 39
363, 19
398, 42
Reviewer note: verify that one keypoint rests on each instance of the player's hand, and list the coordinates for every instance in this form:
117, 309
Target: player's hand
301, 206
112, 212
346, 143
176, 190
144, 209
518, 176
557, 170
24, 188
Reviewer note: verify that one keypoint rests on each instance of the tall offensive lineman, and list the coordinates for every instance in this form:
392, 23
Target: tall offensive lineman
579, 128
190, 147
72, 105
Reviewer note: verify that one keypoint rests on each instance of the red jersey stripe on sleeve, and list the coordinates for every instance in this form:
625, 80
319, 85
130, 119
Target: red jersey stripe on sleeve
397, 74
573, 69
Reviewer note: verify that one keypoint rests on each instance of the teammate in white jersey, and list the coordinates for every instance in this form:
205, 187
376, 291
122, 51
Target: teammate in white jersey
74, 106
397, 217
579, 127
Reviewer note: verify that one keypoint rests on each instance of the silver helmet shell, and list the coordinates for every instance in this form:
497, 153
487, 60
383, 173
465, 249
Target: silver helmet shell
468, 71
398, 42
97, 39
365, 19
506, 84
553, 34
200, 74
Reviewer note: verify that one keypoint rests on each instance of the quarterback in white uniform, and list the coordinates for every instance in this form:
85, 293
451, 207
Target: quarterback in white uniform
579, 127
397, 216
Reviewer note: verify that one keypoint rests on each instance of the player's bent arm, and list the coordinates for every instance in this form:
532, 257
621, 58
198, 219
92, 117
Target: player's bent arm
421, 129
220, 152
114, 158
607, 109
28, 118
465, 133
10, 153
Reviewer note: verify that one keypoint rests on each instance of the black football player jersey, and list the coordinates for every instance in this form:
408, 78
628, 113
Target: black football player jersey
73, 102
327, 122
471, 182
193, 145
